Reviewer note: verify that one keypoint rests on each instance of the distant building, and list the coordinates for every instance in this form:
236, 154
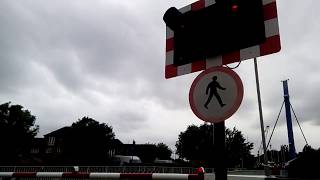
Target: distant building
51, 148
55, 140
146, 152
37, 146
115, 149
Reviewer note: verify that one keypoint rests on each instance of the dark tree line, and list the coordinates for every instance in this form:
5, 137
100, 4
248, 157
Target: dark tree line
17, 129
163, 151
306, 165
85, 142
238, 149
196, 144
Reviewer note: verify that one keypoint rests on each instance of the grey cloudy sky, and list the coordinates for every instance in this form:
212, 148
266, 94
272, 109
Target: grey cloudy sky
104, 59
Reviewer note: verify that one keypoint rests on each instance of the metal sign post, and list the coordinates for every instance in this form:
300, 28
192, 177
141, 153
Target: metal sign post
220, 166
267, 171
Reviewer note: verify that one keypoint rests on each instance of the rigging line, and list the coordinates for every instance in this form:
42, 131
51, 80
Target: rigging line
275, 124
298, 124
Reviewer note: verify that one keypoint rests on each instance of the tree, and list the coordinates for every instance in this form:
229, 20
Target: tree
196, 144
163, 151
238, 150
88, 142
146, 152
307, 149
17, 129
306, 165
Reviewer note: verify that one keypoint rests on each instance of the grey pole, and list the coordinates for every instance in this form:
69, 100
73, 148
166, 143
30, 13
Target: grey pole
266, 169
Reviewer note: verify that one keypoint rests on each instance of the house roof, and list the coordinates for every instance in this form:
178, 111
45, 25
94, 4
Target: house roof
62, 132
116, 141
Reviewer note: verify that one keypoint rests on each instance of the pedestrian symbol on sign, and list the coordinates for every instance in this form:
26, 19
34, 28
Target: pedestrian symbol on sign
213, 87
216, 94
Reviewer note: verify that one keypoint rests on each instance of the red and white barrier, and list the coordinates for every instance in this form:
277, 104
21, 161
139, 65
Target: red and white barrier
140, 176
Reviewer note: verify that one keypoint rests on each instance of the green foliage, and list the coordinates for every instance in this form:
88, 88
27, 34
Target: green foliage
17, 129
196, 144
87, 143
238, 150
163, 151
146, 152
88, 125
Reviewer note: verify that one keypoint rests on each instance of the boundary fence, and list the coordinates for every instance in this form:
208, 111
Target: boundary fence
114, 176
104, 169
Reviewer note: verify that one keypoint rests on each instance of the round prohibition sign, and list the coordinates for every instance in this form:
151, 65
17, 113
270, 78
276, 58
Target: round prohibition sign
216, 94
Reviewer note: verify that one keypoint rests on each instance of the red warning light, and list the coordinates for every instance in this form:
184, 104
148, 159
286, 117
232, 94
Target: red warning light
234, 8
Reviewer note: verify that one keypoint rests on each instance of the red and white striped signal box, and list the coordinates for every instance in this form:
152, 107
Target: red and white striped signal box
269, 46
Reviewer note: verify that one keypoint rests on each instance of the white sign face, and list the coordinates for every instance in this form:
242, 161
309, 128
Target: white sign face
216, 94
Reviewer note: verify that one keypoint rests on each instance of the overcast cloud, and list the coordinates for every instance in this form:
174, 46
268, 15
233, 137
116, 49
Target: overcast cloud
104, 59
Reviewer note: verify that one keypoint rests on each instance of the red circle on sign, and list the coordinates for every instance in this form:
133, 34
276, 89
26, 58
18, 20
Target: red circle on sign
230, 109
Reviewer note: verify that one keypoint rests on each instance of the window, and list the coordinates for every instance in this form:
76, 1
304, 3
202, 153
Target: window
34, 151
58, 150
51, 141
49, 150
